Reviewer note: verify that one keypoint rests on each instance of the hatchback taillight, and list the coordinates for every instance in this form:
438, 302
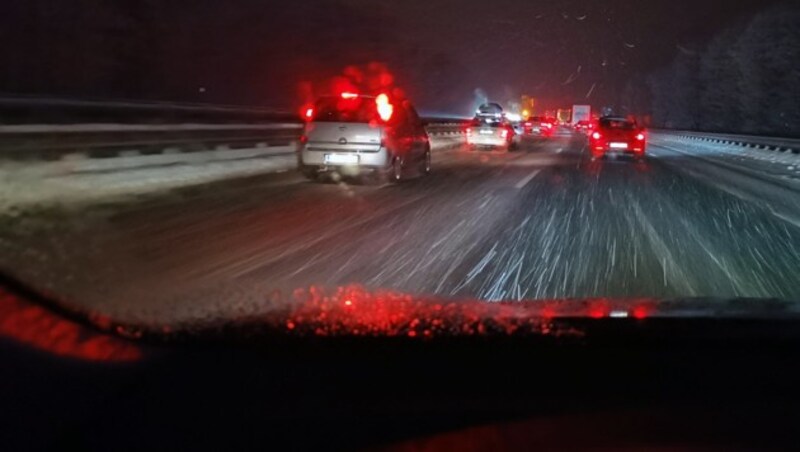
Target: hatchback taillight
596, 135
640, 137
385, 109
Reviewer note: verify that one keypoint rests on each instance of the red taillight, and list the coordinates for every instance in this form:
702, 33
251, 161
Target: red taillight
547, 125
640, 312
596, 135
385, 109
309, 113
591, 126
349, 95
640, 137
303, 139
504, 133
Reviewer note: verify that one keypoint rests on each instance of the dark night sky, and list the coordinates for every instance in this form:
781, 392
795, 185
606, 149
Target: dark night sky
559, 51
257, 52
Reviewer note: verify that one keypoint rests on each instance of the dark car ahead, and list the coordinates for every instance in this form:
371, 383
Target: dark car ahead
540, 126
584, 126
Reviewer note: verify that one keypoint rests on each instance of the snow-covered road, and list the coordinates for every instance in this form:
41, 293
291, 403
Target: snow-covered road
545, 222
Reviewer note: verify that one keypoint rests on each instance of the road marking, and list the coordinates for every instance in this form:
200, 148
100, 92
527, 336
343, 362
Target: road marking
528, 178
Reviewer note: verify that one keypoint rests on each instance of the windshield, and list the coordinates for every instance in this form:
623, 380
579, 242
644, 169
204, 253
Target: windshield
169, 165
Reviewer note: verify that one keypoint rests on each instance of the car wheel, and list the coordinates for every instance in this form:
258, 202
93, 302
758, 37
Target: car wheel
426, 162
397, 169
392, 174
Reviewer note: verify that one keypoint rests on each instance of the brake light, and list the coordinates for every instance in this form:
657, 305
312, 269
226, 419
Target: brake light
349, 95
385, 109
303, 139
309, 113
547, 125
640, 137
596, 135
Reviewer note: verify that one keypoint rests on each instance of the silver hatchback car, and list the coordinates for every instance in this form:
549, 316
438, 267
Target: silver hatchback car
354, 135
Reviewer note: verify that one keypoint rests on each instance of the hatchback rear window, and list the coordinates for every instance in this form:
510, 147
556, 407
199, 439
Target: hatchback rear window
621, 124
488, 122
337, 109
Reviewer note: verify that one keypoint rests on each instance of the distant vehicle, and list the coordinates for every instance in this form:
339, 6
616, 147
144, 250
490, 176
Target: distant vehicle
618, 136
489, 133
581, 113
564, 116
353, 134
489, 109
584, 126
540, 126
519, 127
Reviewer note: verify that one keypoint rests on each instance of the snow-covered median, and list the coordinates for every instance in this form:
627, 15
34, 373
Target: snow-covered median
89, 180
78, 179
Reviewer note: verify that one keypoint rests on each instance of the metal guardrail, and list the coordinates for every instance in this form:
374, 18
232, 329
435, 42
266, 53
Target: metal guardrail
48, 129
53, 142
751, 141
39, 142
36, 110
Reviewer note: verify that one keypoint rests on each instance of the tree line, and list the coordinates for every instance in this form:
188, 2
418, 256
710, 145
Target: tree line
745, 80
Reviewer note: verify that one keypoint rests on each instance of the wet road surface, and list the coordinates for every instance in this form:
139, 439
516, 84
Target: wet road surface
542, 222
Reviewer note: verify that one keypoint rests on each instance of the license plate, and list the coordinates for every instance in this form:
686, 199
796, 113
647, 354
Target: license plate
618, 145
487, 132
342, 159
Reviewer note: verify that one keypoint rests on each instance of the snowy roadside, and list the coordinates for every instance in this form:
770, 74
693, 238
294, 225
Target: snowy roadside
783, 165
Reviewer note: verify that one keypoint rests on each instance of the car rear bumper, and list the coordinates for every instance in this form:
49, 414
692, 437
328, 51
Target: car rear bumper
632, 149
362, 159
487, 141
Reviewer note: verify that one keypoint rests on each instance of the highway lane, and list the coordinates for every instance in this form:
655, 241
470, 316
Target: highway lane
544, 222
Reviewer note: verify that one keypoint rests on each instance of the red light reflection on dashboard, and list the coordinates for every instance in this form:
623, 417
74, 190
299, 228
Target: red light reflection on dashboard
640, 312
36, 327
355, 311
